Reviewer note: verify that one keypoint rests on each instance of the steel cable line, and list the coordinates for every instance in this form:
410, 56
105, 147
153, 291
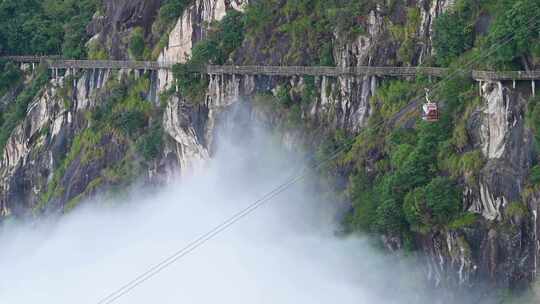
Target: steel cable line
213, 232
126, 288
472, 61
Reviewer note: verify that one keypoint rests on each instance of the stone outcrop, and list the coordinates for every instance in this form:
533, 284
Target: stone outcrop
502, 248
37, 144
112, 29
190, 29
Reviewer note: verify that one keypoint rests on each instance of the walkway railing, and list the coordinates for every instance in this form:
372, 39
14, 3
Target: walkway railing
55, 62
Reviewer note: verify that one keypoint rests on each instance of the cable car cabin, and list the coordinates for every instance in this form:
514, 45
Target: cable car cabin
431, 112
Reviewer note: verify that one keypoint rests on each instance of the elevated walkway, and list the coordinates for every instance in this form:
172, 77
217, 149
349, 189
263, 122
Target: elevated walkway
55, 62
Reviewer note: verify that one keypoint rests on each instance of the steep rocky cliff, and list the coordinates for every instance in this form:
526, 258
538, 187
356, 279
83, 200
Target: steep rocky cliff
502, 247
112, 28
42, 171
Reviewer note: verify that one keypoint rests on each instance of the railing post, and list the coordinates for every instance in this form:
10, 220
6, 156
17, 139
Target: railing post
480, 88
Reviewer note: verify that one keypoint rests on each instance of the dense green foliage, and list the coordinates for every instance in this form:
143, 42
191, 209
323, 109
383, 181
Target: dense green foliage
511, 38
408, 186
136, 44
150, 144
435, 204
393, 96
9, 75
224, 37
171, 10
125, 110
45, 26
532, 118
515, 32
453, 36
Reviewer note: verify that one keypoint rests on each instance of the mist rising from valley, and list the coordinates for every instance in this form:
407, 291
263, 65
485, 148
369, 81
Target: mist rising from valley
286, 251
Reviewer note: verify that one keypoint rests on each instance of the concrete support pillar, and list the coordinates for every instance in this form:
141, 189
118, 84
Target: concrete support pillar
480, 88
74, 76
514, 83
533, 88
98, 81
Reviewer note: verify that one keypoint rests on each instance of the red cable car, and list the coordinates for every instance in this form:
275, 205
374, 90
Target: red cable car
430, 110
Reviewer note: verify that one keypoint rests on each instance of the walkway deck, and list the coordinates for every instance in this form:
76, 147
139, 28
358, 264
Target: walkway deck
55, 62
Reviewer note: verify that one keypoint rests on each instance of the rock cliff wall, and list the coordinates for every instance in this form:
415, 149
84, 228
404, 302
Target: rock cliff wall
503, 249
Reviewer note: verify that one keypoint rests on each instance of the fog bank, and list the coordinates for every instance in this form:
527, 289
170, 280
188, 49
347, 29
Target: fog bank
284, 252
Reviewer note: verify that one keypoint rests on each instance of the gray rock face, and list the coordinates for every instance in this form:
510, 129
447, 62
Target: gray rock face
498, 129
112, 29
37, 145
503, 248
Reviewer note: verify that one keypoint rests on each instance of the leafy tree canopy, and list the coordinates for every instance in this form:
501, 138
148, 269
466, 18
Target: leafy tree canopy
43, 27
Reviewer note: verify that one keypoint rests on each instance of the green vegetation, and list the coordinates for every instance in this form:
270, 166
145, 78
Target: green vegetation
149, 145
466, 220
96, 51
512, 37
528, 296
171, 10
9, 75
532, 119
534, 177
393, 96
407, 35
122, 116
309, 25
86, 146
224, 38
136, 44
16, 111
515, 29
435, 204
453, 35
516, 209
45, 26
126, 110
407, 187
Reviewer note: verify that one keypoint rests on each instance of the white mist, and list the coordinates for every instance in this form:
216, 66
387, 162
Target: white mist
284, 252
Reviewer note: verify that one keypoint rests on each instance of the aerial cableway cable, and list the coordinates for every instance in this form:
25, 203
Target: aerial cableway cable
154, 270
